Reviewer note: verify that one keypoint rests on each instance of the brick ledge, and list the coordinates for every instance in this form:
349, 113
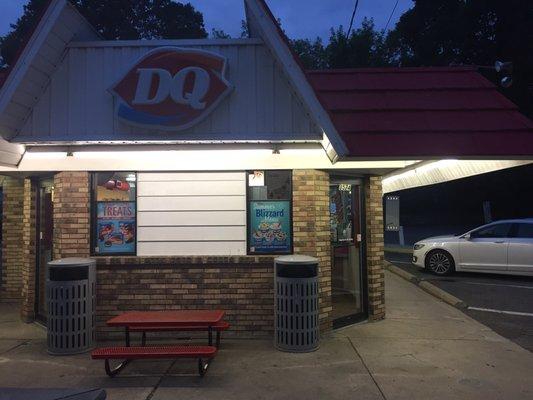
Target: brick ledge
207, 261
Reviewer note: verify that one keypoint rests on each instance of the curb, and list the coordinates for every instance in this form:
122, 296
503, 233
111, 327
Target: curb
428, 287
399, 249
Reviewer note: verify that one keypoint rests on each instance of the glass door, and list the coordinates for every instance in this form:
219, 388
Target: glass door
44, 228
348, 279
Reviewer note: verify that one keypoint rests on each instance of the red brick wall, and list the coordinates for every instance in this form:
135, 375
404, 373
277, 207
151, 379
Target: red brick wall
242, 286
374, 245
13, 201
71, 215
311, 226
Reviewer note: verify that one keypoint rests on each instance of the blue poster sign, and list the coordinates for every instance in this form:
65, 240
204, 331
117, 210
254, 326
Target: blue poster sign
115, 227
270, 227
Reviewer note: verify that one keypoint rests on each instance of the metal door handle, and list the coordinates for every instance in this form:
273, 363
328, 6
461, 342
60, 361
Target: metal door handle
500, 241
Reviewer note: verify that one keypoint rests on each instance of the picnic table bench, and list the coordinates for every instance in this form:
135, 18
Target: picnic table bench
218, 328
149, 321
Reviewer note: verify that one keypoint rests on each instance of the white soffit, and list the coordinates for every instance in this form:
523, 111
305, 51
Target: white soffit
177, 158
60, 24
261, 25
433, 172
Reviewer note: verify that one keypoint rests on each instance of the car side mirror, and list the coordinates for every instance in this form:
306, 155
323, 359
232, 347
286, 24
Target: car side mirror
467, 236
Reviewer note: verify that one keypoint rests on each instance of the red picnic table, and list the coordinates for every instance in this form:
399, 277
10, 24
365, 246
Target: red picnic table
154, 320
175, 320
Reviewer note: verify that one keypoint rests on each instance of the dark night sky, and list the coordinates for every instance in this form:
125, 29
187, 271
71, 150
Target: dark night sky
300, 18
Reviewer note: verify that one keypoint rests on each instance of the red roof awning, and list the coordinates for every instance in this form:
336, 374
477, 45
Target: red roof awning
422, 113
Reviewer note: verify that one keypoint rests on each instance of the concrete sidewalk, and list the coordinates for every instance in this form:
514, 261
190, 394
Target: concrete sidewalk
424, 349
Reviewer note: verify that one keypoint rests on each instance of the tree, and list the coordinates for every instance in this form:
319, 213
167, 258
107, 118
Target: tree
219, 34
474, 32
364, 48
117, 19
311, 53
10, 43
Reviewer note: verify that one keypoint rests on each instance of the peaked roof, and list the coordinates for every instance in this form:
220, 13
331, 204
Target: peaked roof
422, 113
263, 24
36, 61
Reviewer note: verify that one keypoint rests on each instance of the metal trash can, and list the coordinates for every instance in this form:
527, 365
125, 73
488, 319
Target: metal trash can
296, 303
71, 300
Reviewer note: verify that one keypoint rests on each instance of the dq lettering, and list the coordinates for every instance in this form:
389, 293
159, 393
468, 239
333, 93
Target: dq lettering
173, 86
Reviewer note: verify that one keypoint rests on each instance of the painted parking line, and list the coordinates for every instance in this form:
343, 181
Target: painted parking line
496, 284
523, 314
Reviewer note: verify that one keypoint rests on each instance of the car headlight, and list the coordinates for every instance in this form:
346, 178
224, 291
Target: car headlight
418, 246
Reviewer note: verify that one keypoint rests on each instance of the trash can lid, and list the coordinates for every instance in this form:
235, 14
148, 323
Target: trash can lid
71, 262
296, 259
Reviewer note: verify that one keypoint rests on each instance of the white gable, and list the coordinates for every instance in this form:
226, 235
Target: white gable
29, 77
78, 107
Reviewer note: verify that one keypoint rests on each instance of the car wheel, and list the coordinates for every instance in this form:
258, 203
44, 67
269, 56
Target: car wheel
440, 262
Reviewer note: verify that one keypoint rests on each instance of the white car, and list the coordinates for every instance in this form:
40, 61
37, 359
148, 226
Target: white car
502, 247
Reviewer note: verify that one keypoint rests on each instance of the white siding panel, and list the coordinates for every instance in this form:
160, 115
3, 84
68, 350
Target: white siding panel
191, 218
265, 83
192, 188
77, 91
41, 122
191, 233
262, 100
191, 248
191, 203
59, 99
191, 213
99, 110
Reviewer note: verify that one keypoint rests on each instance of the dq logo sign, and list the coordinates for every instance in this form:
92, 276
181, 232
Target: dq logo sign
172, 88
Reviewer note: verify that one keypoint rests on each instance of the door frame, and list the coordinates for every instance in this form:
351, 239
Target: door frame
37, 184
363, 315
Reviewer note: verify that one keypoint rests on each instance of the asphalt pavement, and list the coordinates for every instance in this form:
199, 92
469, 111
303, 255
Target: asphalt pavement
502, 302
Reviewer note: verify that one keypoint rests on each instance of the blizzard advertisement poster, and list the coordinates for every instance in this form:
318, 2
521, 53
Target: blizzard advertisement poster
116, 227
270, 227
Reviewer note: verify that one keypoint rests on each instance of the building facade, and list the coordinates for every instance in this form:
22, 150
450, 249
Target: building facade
185, 167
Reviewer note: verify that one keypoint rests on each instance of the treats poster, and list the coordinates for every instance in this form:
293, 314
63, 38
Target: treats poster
115, 227
270, 227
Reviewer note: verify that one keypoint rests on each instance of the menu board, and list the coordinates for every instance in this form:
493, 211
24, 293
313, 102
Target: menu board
115, 227
270, 227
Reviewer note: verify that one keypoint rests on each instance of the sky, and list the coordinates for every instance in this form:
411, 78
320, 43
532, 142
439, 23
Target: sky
299, 18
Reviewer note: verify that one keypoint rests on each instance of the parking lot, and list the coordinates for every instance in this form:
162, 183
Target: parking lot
503, 303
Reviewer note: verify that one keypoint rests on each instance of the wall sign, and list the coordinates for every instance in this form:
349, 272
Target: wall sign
392, 213
115, 227
171, 88
270, 227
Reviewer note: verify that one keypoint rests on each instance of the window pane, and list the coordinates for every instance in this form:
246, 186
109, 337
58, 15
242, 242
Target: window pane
278, 184
525, 231
269, 185
341, 213
114, 211
493, 231
269, 212
115, 186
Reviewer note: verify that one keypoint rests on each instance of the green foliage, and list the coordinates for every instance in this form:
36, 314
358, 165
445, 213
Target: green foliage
364, 48
474, 32
143, 19
440, 33
10, 43
311, 53
116, 19
219, 34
